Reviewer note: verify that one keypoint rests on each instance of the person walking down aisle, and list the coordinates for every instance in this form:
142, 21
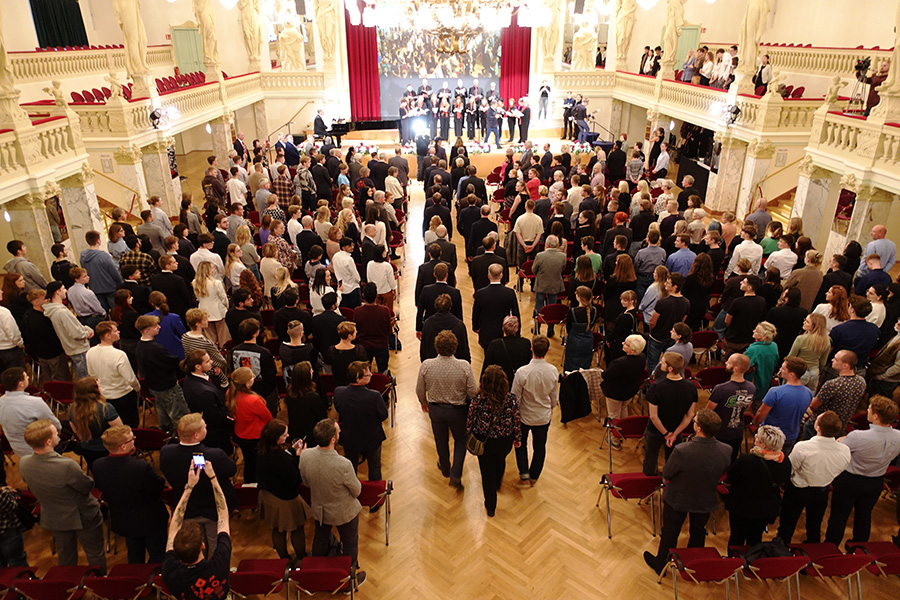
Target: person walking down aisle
536, 385
493, 420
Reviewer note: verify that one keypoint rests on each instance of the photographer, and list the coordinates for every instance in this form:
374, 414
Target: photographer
874, 81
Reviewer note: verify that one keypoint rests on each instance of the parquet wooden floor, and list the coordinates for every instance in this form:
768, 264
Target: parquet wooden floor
545, 542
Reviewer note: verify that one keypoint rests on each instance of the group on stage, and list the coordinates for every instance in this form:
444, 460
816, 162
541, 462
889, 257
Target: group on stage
468, 109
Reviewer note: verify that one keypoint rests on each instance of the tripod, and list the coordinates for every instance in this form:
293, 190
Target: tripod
857, 102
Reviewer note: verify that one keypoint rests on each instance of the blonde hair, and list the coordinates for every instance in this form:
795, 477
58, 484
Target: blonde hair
643, 187
242, 235
818, 333
345, 217
283, 280
434, 223
767, 330
323, 214
623, 188
189, 424
231, 259
202, 278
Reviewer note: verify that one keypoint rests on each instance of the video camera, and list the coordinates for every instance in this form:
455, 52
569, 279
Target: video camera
862, 67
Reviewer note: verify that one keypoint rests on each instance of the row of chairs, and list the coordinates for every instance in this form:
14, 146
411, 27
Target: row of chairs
68, 48
100, 95
179, 81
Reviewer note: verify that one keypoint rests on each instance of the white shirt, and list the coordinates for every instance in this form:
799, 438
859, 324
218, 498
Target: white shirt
215, 302
204, 255
816, 462
17, 411
10, 336
877, 315
662, 162
747, 249
785, 260
315, 300
382, 275
293, 228
237, 191
872, 450
113, 371
824, 309
536, 385
345, 271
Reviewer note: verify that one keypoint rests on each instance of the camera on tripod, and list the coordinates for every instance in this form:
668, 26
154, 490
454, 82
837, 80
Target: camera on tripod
862, 67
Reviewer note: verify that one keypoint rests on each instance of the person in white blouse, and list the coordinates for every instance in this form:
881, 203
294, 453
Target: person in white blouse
874, 296
323, 283
211, 297
392, 184
784, 259
748, 249
205, 254
380, 272
234, 265
662, 162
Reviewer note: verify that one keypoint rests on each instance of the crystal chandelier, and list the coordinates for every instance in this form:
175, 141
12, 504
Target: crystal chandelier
435, 16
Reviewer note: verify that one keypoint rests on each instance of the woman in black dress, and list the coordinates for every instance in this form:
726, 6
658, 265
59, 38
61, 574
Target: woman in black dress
623, 279
305, 402
345, 352
626, 324
696, 288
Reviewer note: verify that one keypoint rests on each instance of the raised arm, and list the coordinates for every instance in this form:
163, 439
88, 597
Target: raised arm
219, 495
181, 507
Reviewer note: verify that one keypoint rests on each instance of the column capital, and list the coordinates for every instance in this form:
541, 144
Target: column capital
728, 141
226, 119
870, 193
809, 169
36, 197
761, 149
159, 146
848, 182
80, 179
128, 155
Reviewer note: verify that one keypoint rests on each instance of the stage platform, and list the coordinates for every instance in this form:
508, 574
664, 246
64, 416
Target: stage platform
393, 135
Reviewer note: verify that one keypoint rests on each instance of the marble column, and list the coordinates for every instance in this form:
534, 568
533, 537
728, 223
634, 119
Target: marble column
29, 223
724, 194
817, 189
155, 160
260, 120
221, 137
872, 207
759, 157
615, 118
131, 175
79, 204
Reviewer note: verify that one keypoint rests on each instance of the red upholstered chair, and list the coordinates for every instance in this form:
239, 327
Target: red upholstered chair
9, 575
703, 565
826, 560
60, 394
630, 486
704, 342
396, 242
627, 428
149, 440
261, 577
525, 272
76, 97
347, 313
60, 583
779, 568
324, 574
247, 497
384, 385
378, 493
798, 93
710, 377
124, 582
885, 556
268, 318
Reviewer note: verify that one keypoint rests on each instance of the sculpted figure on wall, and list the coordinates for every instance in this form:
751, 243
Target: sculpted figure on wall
584, 49
550, 32
128, 14
7, 82
674, 24
204, 14
290, 48
326, 22
624, 26
891, 85
755, 22
250, 25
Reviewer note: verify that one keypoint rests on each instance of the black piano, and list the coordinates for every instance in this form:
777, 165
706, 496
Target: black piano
339, 128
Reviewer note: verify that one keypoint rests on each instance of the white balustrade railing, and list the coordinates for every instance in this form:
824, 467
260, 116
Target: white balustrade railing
824, 62
42, 66
586, 82
190, 101
692, 98
245, 85
8, 154
309, 80
55, 136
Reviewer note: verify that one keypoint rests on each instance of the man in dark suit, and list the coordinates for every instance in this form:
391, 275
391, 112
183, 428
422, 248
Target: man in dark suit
440, 170
368, 248
178, 296
688, 190
493, 303
480, 229
615, 163
291, 153
546, 161
425, 304
333, 165
526, 159
439, 209
307, 238
176, 459
429, 162
378, 170
402, 165
240, 147
362, 411
448, 250
132, 490
473, 179
322, 178
324, 327
498, 249
140, 294
619, 228
319, 127
443, 319
425, 275
183, 266
440, 187
481, 265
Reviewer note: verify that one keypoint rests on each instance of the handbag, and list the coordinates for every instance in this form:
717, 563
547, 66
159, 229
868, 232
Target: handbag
474, 444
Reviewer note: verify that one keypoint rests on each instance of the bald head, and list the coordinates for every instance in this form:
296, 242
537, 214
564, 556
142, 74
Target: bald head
738, 363
371, 230
307, 222
878, 232
485, 211
441, 231
495, 272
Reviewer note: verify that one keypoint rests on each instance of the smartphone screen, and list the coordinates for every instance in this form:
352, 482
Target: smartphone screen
199, 461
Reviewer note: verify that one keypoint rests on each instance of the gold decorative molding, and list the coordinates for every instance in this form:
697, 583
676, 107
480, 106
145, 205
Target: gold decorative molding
128, 155
159, 146
761, 149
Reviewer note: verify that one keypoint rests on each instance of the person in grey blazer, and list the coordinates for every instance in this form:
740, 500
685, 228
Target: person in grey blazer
548, 270
333, 487
693, 472
68, 510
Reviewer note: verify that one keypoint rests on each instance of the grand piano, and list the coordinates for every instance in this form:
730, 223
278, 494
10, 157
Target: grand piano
339, 127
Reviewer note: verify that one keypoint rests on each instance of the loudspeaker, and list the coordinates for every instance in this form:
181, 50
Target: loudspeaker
579, 6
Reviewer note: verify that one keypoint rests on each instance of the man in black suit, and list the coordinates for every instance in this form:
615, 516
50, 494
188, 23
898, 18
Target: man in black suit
291, 153
291, 311
140, 294
441, 170
493, 303
173, 245
333, 165
482, 263
241, 310
132, 490
425, 275
473, 179
425, 304
498, 249
378, 170
307, 238
319, 127
480, 229
178, 296
443, 319
324, 327
440, 187
368, 246
448, 250
176, 459
428, 162
546, 161
362, 411
438, 209
322, 178
240, 147
688, 190
402, 165
618, 228
615, 163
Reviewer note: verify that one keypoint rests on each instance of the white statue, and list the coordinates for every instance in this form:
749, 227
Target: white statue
56, 92
584, 49
326, 22
776, 82
128, 14
624, 26
674, 25
250, 24
204, 14
115, 86
831, 96
550, 32
755, 22
290, 48
893, 78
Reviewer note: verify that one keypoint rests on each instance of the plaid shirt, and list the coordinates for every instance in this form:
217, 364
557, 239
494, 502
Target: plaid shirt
8, 503
142, 261
284, 189
286, 255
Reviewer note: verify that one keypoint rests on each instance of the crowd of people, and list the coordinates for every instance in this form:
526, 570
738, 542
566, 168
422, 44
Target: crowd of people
178, 301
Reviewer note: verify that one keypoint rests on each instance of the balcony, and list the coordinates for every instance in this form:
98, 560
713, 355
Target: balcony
820, 62
44, 65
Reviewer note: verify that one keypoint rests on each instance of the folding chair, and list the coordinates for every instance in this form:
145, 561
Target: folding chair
124, 582
702, 565
630, 486
325, 574
378, 493
247, 496
59, 583
9, 575
525, 272
384, 385
710, 377
261, 577
885, 556
779, 568
149, 440
627, 428
60, 394
826, 560
554, 314
704, 342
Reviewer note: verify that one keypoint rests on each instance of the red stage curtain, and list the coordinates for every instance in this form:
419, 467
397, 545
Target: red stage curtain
362, 66
515, 59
